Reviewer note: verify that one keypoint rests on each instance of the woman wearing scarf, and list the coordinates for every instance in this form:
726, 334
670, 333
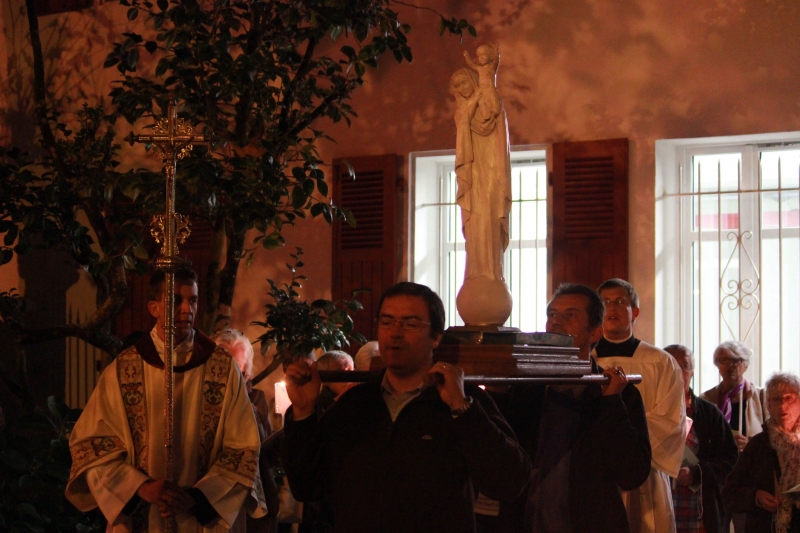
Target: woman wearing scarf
765, 483
742, 404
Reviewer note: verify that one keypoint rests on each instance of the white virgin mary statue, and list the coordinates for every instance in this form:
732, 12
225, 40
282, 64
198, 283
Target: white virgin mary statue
483, 169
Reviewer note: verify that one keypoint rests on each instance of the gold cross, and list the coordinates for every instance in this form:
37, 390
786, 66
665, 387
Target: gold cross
172, 139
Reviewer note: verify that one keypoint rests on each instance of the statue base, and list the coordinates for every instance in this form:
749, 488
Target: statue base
502, 335
484, 301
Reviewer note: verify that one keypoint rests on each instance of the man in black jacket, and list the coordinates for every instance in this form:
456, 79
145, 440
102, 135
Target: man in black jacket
403, 452
586, 442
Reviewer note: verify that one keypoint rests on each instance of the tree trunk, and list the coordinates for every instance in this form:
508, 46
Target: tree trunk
227, 279
213, 279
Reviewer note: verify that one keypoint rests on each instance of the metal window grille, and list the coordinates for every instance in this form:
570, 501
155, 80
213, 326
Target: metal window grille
740, 255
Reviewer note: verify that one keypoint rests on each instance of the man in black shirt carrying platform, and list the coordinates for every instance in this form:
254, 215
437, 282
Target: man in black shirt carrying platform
402, 452
586, 442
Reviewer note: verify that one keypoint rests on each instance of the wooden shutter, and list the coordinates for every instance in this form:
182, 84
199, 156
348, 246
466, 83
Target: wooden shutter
366, 256
590, 212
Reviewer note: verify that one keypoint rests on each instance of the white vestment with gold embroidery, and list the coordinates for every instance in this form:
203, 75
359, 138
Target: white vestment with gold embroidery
118, 442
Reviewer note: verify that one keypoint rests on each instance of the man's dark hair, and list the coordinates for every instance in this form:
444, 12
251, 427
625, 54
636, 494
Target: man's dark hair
596, 309
616, 283
183, 276
432, 300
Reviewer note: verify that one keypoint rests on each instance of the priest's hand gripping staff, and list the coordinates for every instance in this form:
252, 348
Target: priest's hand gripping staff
172, 139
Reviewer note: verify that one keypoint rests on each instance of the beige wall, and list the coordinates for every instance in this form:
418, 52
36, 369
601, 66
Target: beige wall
570, 70
579, 70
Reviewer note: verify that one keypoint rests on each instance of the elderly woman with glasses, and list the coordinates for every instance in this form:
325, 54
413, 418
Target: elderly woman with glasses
765, 483
742, 404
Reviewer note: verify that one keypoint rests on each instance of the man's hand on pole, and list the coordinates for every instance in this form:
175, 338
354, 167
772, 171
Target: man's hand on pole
617, 380
302, 386
450, 385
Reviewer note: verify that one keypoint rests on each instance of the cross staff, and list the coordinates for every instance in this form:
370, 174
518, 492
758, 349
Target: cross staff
172, 139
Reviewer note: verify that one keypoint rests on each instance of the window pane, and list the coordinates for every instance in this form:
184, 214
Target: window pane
780, 209
718, 172
439, 247
716, 212
528, 285
780, 169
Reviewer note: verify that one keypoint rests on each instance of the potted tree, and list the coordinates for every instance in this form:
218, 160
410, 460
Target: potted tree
297, 327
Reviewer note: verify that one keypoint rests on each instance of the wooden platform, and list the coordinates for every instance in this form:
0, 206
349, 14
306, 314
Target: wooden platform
499, 360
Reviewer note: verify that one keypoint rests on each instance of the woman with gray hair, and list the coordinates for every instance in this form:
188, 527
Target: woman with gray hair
743, 404
765, 483
241, 350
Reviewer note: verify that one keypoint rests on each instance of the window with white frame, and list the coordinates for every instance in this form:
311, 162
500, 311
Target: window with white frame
728, 249
437, 245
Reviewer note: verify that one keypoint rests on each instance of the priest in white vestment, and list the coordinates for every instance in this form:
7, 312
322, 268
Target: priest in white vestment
650, 508
117, 445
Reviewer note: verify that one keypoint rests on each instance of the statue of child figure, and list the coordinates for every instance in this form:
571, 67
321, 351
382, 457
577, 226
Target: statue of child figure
488, 57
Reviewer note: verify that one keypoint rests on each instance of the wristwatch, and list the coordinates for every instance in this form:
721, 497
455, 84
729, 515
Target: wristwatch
468, 401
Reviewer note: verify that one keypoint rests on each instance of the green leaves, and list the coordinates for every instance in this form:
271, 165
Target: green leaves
257, 77
34, 468
298, 327
456, 26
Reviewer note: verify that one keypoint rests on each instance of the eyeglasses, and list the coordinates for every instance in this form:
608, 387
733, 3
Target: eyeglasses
619, 302
408, 324
786, 399
729, 362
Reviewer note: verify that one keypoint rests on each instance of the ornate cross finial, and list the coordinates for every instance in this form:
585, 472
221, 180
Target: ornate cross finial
172, 139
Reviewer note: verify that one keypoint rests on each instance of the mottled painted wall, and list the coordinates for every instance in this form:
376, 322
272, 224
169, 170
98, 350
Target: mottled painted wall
584, 69
570, 70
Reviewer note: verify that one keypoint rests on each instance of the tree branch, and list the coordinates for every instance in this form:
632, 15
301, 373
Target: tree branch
39, 87
40, 91
302, 70
315, 114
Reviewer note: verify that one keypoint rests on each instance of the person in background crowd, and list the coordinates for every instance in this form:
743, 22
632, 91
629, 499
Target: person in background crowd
242, 351
743, 404
314, 514
709, 457
365, 354
650, 506
765, 483
333, 360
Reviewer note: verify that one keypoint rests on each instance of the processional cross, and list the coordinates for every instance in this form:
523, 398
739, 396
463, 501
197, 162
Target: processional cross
172, 139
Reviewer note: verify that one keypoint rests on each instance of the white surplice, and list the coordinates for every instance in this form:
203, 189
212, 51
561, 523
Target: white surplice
650, 507
118, 442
